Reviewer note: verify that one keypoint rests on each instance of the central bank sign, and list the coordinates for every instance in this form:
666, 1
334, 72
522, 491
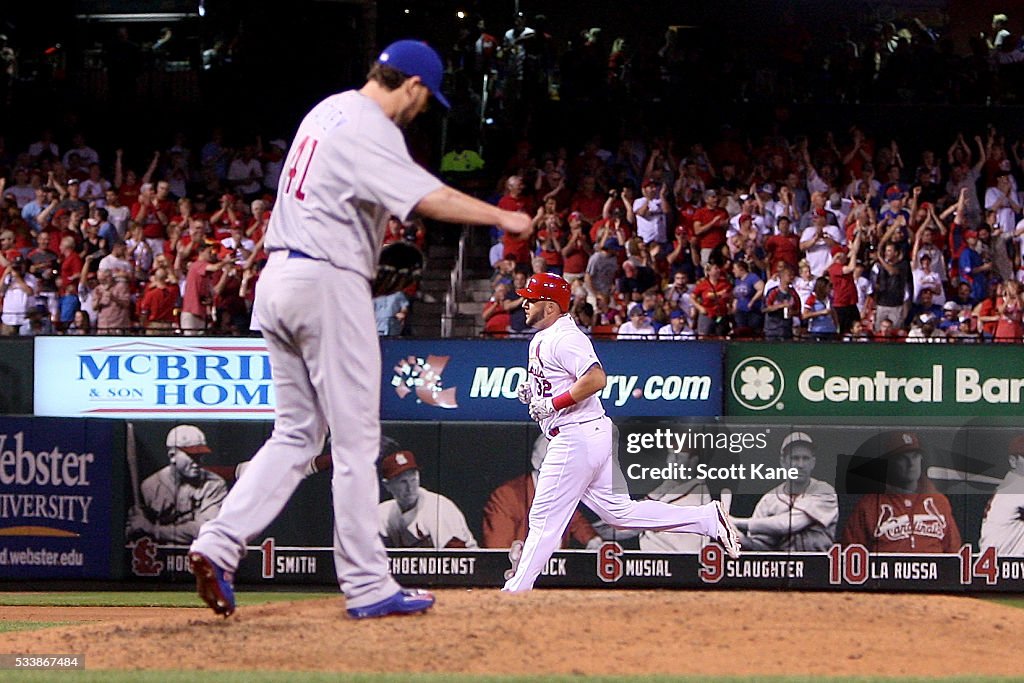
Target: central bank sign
153, 377
875, 379
477, 380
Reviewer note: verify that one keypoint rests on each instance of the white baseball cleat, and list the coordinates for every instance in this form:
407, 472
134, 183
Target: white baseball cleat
728, 535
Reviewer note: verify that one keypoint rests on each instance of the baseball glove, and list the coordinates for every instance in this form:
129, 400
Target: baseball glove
401, 265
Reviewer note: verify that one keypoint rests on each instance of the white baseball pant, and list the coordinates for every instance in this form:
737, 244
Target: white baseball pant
319, 326
580, 466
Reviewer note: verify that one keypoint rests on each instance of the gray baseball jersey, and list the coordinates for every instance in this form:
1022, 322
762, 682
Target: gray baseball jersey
347, 171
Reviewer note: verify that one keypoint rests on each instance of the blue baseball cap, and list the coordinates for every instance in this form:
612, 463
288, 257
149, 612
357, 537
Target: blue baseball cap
416, 58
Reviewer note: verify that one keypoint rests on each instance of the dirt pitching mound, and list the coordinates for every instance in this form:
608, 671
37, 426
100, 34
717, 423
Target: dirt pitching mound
564, 631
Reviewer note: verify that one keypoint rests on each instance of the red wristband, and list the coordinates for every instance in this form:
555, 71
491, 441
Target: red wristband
563, 401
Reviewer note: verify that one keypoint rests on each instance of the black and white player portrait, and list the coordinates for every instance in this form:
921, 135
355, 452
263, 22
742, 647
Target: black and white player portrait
416, 517
176, 500
799, 514
1002, 527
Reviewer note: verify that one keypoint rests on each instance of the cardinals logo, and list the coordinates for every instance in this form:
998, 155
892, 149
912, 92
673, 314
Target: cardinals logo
933, 523
144, 562
895, 527
422, 376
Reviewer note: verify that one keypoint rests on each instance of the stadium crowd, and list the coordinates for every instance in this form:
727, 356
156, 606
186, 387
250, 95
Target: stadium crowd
821, 235
174, 246
824, 239
827, 238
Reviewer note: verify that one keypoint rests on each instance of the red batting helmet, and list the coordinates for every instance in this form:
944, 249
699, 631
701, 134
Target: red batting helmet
547, 287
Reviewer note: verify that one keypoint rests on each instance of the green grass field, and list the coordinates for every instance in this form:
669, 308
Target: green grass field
1017, 602
30, 625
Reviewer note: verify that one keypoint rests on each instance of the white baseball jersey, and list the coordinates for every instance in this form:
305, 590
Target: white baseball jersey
579, 464
1002, 527
434, 522
559, 355
347, 168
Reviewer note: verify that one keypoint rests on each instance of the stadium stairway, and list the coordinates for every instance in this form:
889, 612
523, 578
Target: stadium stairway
425, 318
427, 311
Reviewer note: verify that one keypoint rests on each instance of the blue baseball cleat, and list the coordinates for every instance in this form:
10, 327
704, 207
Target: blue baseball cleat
213, 584
405, 601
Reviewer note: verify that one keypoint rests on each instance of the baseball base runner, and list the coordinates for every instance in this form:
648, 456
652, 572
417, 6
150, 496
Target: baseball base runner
564, 379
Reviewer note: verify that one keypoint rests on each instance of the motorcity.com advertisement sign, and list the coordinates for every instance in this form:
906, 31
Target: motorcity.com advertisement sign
475, 380
58, 494
920, 380
168, 378
206, 378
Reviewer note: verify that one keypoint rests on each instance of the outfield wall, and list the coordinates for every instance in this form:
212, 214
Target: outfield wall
850, 399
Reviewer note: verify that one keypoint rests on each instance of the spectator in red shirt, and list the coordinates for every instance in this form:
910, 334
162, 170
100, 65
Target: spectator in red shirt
261, 217
986, 313
70, 262
11, 220
548, 208
684, 255
513, 199
184, 215
497, 311
549, 243
198, 294
621, 203
783, 246
156, 307
190, 244
516, 246
227, 299
844, 287
225, 217
148, 212
551, 185
860, 152
394, 231
712, 298
164, 203
577, 250
127, 182
588, 201
709, 226
617, 225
